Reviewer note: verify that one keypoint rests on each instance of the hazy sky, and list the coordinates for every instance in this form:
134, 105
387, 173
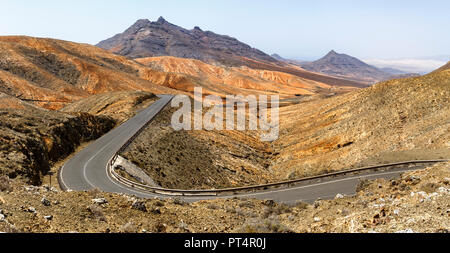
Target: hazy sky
295, 29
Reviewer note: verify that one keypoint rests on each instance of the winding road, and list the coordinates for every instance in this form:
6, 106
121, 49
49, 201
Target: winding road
88, 169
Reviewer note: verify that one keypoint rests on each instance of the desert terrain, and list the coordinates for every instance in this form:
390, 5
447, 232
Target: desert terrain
58, 96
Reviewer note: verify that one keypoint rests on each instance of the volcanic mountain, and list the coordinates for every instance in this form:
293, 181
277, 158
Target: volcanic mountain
160, 38
53, 73
348, 67
150, 39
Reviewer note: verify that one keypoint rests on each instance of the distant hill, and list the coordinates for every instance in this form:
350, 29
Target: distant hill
290, 61
152, 39
161, 38
348, 67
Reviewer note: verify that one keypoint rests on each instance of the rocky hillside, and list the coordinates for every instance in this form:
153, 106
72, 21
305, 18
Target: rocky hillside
32, 138
119, 105
348, 67
228, 80
200, 159
402, 119
161, 38
53, 73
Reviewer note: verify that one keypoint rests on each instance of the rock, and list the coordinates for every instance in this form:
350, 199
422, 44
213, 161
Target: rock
45, 202
48, 217
444, 190
31, 209
269, 202
139, 205
405, 231
100, 201
339, 196
317, 219
156, 210
2, 217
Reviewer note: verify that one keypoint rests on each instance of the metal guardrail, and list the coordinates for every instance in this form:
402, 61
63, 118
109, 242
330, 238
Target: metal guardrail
236, 190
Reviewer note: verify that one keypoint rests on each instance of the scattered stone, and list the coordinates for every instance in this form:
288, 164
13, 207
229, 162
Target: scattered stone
156, 210
139, 205
269, 202
444, 190
405, 231
339, 196
45, 202
100, 201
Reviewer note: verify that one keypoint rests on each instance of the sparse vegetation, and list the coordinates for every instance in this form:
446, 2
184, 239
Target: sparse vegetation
96, 212
5, 184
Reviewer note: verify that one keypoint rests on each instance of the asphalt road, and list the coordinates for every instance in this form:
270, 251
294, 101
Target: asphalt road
88, 169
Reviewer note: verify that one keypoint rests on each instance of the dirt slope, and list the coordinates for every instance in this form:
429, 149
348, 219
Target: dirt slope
59, 72
228, 80
408, 117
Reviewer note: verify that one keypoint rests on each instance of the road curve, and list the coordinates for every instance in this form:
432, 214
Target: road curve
88, 169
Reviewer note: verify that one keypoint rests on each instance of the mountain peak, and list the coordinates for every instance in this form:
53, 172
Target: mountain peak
161, 20
348, 67
161, 38
331, 53
141, 22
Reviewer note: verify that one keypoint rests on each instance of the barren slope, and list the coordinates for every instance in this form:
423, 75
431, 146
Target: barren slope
119, 105
228, 80
58, 72
200, 159
395, 120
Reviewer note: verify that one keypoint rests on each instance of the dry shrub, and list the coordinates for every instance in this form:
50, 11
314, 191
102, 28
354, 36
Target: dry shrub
94, 192
96, 212
257, 225
128, 228
5, 184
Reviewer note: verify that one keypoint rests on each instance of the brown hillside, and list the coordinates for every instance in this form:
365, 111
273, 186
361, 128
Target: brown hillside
59, 72
402, 119
185, 74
